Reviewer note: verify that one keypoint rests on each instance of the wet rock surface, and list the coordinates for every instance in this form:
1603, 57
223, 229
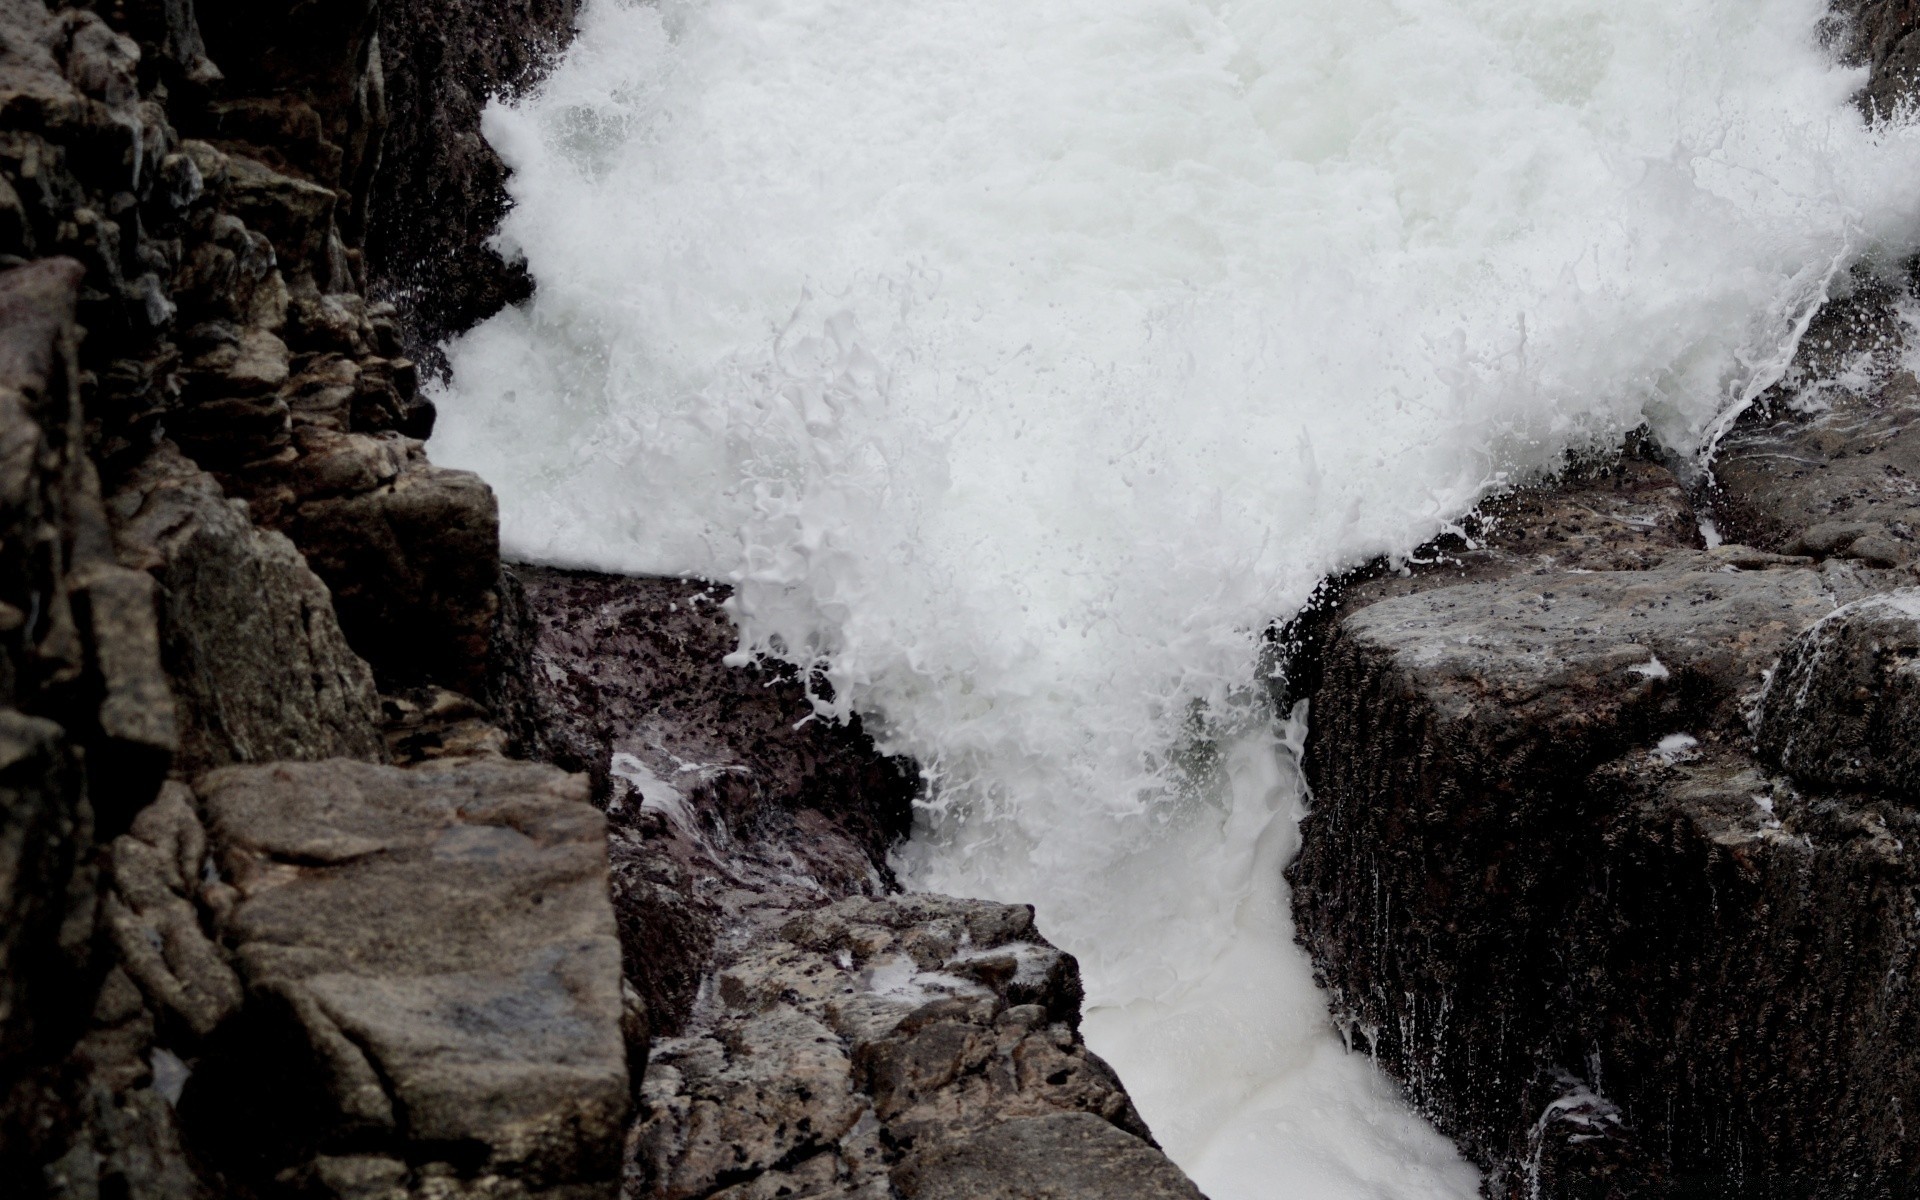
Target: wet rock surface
1605, 863
816, 1033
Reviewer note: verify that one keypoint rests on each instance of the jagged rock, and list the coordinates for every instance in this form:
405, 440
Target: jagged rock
1070, 1156
1842, 710
432, 975
707, 771
412, 563
441, 189
261, 670
157, 868
898, 1042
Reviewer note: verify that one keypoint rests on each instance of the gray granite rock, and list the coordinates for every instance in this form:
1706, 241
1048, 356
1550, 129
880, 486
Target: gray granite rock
259, 666
908, 1042
435, 948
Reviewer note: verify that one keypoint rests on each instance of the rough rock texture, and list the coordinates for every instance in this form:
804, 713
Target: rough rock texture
81, 685
709, 772
259, 666
823, 1036
1828, 465
184, 329
1605, 863
440, 191
916, 1043
388, 1033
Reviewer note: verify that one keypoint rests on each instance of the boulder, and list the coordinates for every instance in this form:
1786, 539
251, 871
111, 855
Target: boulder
260, 668
432, 978
1842, 711
412, 561
905, 1043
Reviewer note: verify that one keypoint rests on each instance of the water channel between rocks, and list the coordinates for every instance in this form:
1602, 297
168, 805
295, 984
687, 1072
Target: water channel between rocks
1020, 363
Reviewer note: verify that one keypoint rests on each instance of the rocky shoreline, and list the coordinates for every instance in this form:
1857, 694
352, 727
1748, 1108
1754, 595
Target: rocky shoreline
293, 903
340, 859
1606, 862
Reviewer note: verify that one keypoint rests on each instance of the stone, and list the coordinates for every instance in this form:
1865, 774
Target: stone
412, 562
704, 768
1066, 1156
1842, 710
877, 1042
435, 948
259, 666
1456, 841
441, 189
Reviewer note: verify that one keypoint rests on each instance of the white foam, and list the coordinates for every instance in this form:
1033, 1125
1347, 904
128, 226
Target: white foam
1021, 361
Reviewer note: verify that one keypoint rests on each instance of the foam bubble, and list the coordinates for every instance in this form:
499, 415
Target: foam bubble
1021, 361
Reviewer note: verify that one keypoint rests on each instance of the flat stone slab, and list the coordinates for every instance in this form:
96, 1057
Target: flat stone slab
438, 945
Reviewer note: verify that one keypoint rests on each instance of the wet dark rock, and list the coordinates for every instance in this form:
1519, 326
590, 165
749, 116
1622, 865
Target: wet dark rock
1606, 939
441, 189
1879, 34
412, 563
815, 1033
705, 769
858, 1048
1843, 708
1837, 475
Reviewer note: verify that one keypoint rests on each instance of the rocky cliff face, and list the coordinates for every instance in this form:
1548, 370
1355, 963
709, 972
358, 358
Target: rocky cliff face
279, 915
1607, 857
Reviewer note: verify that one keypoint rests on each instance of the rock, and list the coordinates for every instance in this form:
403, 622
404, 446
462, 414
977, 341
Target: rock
1841, 481
1827, 464
636, 685
203, 230
441, 189
1449, 868
1546, 882
895, 1042
708, 771
412, 561
260, 668
1878, 34
487, 1053
1064, 1157
1730, 973
157, 870
1842, 711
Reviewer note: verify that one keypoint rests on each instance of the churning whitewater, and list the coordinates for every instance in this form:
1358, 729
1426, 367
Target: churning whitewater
1021, 362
